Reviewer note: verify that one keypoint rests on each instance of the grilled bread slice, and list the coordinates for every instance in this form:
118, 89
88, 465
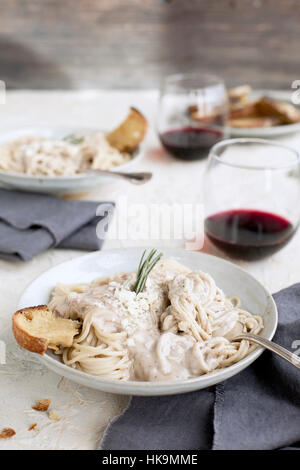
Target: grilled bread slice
128, 136
286, 112
244, 111
239, 92
239, 95
37, 328
194, 114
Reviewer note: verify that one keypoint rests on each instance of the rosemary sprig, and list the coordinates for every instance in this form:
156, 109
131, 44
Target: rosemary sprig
72, 139
145, 266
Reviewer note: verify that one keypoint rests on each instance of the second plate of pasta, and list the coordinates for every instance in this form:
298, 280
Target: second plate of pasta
57, 160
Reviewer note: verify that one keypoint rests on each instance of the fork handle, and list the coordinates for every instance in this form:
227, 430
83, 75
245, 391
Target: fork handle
282, 352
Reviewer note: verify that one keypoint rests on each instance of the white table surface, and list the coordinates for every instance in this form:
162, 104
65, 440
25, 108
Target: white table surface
84, 412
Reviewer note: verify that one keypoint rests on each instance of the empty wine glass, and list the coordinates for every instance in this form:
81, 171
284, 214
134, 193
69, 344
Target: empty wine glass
193, 112
252, 195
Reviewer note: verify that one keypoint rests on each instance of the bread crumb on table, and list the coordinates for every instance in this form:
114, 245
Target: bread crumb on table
7, 433
42, 405
32, 427
54, 416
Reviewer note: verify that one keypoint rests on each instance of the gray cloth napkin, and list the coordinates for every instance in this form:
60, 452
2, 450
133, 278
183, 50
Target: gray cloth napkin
258, 409
32, 222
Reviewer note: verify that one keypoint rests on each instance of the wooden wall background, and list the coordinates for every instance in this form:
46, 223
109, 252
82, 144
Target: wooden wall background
133, 43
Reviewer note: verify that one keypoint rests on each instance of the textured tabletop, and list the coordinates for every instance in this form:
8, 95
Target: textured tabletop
85, 413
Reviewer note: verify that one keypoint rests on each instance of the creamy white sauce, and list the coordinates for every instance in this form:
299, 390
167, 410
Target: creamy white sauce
180, 326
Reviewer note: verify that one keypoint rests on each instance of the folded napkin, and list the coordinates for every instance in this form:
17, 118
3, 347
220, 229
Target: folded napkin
32, 222
257, 409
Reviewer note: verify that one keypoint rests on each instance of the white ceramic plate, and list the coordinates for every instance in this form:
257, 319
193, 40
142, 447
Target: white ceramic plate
267, 132
60, 184
233, 280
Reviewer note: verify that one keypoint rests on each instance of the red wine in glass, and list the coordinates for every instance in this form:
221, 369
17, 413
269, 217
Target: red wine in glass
248, 233
190, 143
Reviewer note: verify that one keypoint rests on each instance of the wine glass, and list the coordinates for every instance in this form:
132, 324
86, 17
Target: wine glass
193, 113
252, 195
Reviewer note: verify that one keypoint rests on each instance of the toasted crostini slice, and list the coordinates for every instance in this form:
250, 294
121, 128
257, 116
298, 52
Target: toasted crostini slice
131, 132
286, 112
248, 110
37, 328
239, 94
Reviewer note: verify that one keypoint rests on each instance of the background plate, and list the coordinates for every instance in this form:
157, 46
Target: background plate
267, 132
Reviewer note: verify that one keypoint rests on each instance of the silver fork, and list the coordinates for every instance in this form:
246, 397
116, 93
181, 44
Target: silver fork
275, 348
139, 177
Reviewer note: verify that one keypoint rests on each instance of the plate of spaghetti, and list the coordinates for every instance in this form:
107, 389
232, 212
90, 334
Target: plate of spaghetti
131, 322
64, 160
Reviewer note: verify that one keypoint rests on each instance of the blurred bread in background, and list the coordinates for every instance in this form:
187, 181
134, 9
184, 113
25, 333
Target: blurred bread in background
248, 113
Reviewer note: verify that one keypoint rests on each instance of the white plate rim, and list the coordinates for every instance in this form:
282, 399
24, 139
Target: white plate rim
140, 388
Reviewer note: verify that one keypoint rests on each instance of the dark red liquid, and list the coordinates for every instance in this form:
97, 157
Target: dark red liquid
248, 234
190, 143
